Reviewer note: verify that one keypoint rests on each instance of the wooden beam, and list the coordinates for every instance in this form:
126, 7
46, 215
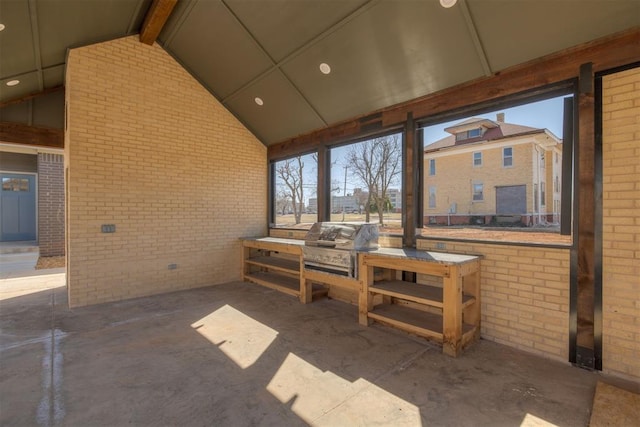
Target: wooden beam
157, 16
586, 220
410, 183
31, 96
24, 134
605, 53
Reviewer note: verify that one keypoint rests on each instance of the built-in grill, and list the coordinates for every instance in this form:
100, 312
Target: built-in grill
331, 246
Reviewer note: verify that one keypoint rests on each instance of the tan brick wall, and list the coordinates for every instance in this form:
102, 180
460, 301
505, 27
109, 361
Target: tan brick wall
524, 295
150, 150
621, 224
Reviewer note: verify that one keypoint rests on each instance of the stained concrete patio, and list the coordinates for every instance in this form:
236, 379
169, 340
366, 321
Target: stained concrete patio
242, 355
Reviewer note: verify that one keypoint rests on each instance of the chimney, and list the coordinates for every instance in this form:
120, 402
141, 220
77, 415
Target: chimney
500, 117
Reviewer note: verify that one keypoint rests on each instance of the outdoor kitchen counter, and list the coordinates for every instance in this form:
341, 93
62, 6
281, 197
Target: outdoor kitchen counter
447, 312
277, 264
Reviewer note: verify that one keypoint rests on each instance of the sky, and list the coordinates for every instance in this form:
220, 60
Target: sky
546, 114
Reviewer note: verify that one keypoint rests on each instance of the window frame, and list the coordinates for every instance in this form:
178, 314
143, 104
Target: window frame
505, 157
473, 159
432, 167
473, 192
432, 191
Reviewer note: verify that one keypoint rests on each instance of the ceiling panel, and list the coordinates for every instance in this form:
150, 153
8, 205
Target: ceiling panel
16, 42
513, 32
215, 47
28, 85
394, 52
48, 110
282, 26
284, 113
73, 23
53, 76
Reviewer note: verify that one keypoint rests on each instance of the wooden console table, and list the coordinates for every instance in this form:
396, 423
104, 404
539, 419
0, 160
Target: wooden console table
448, 313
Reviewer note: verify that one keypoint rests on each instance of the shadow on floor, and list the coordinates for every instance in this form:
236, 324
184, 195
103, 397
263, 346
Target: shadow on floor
239, 355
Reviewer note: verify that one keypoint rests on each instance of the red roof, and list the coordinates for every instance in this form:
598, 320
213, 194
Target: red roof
503, 130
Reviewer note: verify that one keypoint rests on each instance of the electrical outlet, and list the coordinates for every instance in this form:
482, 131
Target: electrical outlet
108, 228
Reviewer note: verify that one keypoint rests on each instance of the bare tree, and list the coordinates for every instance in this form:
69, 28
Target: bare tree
282, 200
376, 163
291, 173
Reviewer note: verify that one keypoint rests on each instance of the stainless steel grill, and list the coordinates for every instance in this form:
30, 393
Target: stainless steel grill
331, 246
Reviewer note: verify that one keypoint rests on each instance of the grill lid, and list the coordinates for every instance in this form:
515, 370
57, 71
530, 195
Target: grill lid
342, 235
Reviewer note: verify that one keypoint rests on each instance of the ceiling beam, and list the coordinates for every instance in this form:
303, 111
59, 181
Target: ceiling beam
157, 16
605, 53
31, 96
473, 32
24, 134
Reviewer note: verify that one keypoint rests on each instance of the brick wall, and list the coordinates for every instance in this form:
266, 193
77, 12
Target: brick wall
621, 224
51, 204
524, 295
149, 150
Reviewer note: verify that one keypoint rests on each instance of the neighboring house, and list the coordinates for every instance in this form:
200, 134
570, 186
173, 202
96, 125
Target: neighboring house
32, 175
493, 172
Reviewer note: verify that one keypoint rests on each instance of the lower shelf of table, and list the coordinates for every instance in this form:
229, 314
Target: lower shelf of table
418, 322
286, 284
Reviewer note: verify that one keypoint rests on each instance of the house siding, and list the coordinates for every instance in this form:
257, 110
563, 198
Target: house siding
455, 175
150, 150
621, 224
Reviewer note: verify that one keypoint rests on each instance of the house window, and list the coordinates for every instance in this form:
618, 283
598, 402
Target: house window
542, 194
507, 157
432, 197
15, 184
432, 167
477, 159
478, 192
473, 133
542, 165
556, 184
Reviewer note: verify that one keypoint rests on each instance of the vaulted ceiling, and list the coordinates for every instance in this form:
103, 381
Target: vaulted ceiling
380, 52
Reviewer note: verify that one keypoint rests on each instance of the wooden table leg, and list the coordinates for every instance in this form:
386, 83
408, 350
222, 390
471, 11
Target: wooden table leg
365, 301
452, 313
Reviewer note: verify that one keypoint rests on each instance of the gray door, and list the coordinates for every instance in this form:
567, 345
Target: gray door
511, 200
17, 207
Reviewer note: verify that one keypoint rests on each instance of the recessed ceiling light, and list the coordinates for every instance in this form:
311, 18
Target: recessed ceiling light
259, 101
13, 82
325, 68
447, 3
2, 27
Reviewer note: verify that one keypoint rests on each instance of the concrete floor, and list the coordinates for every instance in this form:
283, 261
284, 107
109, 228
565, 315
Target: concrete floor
242, 355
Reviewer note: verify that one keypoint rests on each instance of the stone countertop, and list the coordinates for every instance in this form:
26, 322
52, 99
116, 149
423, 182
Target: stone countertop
292, 242
419, 255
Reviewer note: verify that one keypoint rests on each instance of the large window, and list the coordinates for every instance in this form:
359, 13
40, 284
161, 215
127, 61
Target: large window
366, 182
506, 175
295, 192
